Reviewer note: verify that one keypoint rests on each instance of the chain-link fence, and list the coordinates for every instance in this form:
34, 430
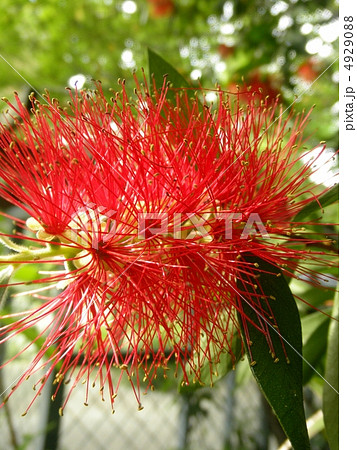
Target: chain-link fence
228, 416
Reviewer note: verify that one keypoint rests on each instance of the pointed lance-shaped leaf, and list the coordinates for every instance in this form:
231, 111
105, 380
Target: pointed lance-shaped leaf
274, 355
161, 70
326, 199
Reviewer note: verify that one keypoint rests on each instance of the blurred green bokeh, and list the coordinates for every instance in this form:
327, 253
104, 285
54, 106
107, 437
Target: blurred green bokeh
278, 46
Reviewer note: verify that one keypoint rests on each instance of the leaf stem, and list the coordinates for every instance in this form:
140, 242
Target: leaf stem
40, 254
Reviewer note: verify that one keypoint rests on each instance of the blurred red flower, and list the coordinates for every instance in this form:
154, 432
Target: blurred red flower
161, 8
309, 70
261, 88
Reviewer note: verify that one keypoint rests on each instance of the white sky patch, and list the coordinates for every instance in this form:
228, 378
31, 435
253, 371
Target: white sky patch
196, 74
326, 50
227, 29
129, 7
329, 32
306, 28
317, 46
314, 46
278, 8
335, 108
211, 97
336, 77
127, 58
228, 8
220, 67
184, 52
77, 81
285, 22
325, 166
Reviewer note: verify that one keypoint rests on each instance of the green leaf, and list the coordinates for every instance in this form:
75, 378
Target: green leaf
159, 68
326, 199
330, 394
5, 275
314, 330
279, 378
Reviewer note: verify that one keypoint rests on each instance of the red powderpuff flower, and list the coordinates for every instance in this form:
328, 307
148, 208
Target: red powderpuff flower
145, 209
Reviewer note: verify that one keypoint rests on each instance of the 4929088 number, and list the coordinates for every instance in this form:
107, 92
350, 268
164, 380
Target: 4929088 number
348, 42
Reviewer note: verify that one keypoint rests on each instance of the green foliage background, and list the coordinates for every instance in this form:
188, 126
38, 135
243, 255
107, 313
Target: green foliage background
47, 42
